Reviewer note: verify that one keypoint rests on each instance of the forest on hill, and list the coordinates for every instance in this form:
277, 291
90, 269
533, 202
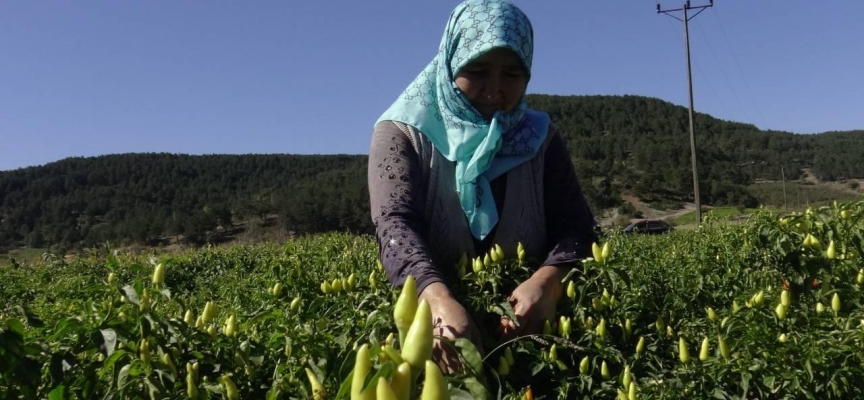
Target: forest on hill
619, 144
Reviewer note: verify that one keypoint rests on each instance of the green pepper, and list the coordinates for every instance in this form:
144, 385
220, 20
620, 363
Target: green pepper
405, 308
435, 388
712, 315
626, 376
401, 382
508, 355
191, 387
759, 298
209, 312
231, 326
418, 340
628, 328
166, 359
352, 281
640, 347
547, 328
571, 290
724, 348
318, 391
597, 252
383, 391
601, 328
780, 311
231, 391
835, 303
144, 302
477, 265
500, 252
604, 370
189, 318
362, 366
683, 351
159, 274
584, 366
503, 366
703, 352
144, 351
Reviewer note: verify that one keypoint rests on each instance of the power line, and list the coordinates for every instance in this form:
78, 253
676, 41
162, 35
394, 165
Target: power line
723, 70
744, 79
707, 81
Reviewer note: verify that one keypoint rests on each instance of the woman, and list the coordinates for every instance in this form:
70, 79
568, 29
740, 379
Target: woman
459, 163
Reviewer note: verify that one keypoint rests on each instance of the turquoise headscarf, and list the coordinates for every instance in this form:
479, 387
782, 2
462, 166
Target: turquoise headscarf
434, 105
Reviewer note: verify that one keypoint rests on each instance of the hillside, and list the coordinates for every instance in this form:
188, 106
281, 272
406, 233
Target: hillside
621, 145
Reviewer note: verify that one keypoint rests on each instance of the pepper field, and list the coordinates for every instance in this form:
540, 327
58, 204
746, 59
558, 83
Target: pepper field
769, 309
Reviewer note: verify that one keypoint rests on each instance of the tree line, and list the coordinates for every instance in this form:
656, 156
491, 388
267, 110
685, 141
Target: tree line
619, 144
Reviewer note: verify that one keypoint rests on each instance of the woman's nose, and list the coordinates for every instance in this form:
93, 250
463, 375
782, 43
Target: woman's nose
493, 88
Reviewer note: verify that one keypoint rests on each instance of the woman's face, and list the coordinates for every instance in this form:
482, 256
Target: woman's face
494, 81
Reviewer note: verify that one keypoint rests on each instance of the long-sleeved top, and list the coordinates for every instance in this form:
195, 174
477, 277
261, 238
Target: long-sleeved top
398, 198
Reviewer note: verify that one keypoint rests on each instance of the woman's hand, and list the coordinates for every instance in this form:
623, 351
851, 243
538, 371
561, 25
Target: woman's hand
451, 321
534, 301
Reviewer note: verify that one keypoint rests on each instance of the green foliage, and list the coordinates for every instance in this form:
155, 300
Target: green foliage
619, 144
67, 332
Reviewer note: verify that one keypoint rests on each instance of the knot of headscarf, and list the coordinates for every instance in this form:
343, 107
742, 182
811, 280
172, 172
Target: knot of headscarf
434, 105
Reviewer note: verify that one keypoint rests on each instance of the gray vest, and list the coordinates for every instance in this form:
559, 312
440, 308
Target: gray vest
523, 217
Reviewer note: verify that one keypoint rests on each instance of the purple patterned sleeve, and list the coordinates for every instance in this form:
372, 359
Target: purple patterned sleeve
397, 194
569, 221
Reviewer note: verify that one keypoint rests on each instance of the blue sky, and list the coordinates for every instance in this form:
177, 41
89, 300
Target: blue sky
311, 77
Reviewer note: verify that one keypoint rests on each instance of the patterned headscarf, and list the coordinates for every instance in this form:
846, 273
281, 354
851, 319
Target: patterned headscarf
434, 105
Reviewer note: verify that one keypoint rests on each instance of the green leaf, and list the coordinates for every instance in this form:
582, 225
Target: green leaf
623, 275
29, 317
15, 326
130, 294
123, 376
477, 389
345, 387
109, 337
459, 394
469, 353
59, 393
109, 362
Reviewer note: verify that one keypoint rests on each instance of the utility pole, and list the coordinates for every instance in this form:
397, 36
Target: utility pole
686, 21
785, 205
